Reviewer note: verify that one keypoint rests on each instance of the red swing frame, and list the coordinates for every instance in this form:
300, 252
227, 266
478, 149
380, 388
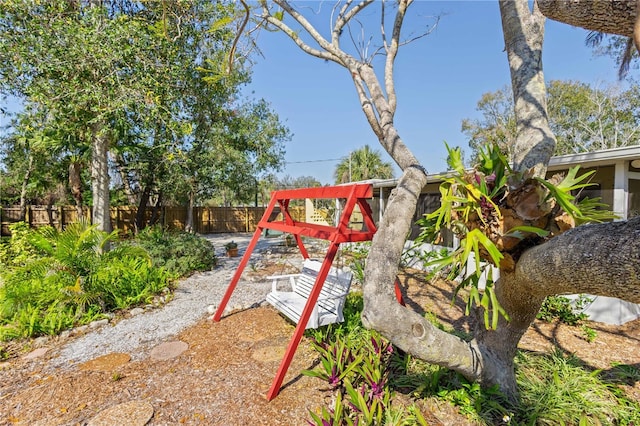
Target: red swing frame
355, 194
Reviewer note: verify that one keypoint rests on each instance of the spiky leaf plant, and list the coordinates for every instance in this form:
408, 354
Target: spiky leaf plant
497, 214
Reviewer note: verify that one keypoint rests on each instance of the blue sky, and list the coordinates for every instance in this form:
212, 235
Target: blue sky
439, 81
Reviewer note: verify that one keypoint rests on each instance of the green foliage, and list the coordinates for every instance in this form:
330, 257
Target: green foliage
73, 280
557, 389
365, 371
362, 164
472, 206
583, 118
589, 333
626, 373
180, 253
563, 309
135, 74
587, 210
17, 250
356, 254
358, 365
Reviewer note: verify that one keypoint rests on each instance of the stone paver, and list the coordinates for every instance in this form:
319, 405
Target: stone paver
132, 413
168, 350
36, 353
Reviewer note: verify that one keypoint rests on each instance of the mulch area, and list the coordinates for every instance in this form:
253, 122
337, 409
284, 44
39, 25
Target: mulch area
220, 373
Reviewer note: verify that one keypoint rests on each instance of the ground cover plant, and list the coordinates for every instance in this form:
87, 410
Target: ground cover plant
180, 253
53, 280
367, 373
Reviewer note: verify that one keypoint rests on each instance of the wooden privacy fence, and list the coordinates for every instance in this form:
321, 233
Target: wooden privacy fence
206, 220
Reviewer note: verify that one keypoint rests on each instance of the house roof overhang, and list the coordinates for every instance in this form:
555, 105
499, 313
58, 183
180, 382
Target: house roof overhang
585, 159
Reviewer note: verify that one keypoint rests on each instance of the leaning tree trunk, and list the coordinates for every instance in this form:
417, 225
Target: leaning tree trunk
488, 358
605, 16
100, 178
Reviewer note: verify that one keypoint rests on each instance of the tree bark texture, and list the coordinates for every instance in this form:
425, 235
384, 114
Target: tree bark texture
601, 259
75, 184
523, 31
605, 16
141, 212
100, 179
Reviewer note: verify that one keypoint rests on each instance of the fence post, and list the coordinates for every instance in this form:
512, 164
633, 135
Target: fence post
60, 218
27, 215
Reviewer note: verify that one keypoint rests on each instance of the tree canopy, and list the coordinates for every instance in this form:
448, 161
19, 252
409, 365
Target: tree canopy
145, 88
362, 164
583, 118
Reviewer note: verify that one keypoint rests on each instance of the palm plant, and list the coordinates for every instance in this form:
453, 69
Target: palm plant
74, 280
362, 164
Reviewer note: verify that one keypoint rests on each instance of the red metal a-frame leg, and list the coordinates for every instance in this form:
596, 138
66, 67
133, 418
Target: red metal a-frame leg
243, 263
302, 323
354, 194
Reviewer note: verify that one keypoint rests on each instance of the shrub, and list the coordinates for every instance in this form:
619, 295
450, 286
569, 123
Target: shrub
563, 309
358, 364
181, 253
17, 249
74, 281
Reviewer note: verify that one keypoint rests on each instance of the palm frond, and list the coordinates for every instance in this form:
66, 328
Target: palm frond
594, 39
627, 56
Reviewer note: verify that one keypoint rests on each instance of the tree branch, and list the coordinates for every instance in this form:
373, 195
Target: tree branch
392, 52
368, 108
602, 259
343, 19
332, 53
267, 16
611, 17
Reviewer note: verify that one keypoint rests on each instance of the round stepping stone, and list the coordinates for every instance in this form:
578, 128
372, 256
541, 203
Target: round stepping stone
133, 413
168, 350
36, 353
106, 362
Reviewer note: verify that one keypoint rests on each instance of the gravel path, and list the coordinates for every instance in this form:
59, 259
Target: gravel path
147, 328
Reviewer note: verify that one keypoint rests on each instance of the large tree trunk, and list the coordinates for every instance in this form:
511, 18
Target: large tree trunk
141, 213
523, 37
126, 184
75, 184
605, 16
100, 178
523, 31
585, 260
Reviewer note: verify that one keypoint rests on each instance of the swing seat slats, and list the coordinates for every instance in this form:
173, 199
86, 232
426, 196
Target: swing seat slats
328, 308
